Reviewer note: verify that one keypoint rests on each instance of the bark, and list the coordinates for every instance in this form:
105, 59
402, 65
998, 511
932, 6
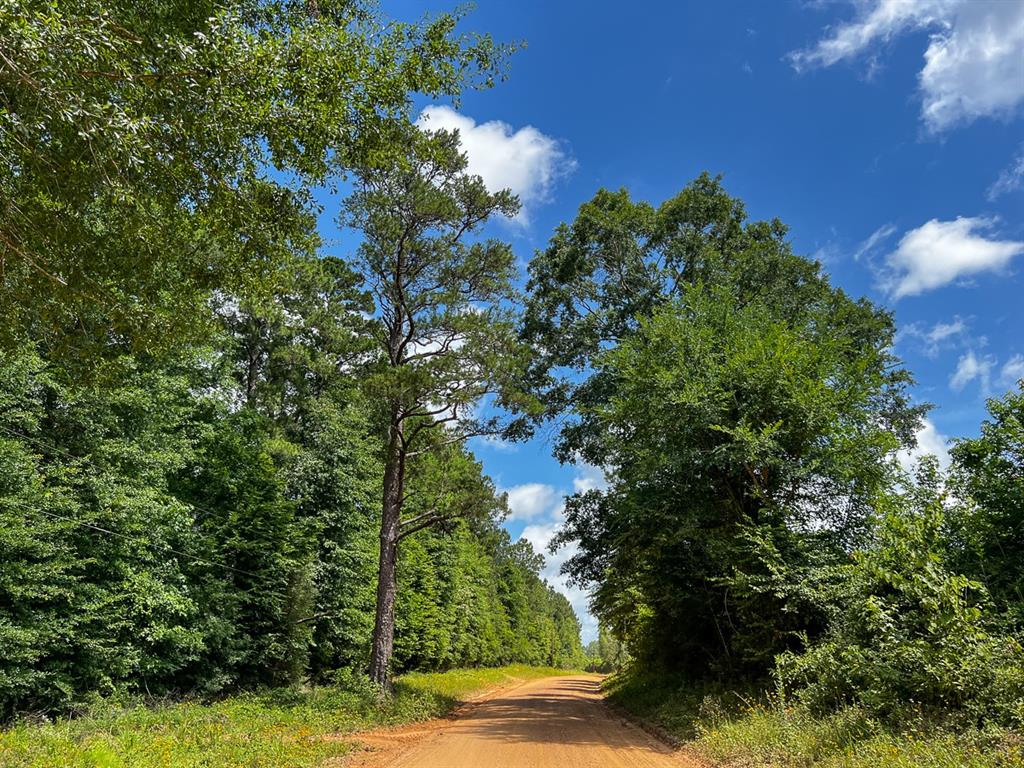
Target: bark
391, 515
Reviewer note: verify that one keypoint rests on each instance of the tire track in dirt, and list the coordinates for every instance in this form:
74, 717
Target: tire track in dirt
555, 722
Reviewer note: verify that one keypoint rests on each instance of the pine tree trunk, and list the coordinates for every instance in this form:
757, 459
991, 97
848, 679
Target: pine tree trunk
391, 515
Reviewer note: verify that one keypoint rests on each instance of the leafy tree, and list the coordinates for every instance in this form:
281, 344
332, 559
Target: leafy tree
146, 148
743, 409
94, 584
444, 331
988, 524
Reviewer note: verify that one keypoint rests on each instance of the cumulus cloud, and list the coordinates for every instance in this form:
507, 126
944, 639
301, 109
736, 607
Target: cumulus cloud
527, 501
972, 65
1012, 177
1013, 371
930, 442
523, 160
540, 536
939, 252
970, 368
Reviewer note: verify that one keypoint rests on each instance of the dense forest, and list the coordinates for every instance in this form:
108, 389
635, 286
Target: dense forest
229, 459
196, 401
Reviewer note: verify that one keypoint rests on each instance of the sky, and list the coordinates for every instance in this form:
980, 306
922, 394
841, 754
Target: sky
888, 135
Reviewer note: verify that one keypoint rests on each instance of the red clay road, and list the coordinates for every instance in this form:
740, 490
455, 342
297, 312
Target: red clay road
556, 722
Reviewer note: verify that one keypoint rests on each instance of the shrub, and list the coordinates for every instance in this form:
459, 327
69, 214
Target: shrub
911, 637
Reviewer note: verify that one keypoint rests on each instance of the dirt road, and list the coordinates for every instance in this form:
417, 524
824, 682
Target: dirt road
557, 722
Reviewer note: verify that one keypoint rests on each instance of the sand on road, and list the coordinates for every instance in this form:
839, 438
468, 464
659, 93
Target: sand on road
555, 722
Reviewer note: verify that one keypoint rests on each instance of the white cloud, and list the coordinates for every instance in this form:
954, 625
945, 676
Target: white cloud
878, 236
1012, 177
929, 442
524, 160
941, 336
589, 478
969, 368
939, 252
972, 65
540, 533
1013, 371
942, 331
529, 500
540, 536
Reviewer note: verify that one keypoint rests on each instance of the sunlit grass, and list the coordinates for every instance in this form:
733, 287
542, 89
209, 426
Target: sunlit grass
734, 730
277, 729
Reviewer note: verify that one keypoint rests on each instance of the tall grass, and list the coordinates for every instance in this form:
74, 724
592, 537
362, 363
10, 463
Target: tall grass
739, 729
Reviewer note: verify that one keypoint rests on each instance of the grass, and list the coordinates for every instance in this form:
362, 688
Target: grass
277, 729
737, 730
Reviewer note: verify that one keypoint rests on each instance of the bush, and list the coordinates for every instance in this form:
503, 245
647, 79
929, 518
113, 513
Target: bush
912, 638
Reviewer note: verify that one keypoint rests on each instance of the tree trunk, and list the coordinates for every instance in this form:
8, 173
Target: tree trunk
391, 515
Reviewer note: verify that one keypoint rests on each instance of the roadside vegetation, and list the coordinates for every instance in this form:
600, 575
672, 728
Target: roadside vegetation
764, 536
280, 728
236, 454
750, 728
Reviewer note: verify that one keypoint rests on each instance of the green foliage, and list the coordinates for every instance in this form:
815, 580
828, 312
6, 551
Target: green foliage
770, 736
156, 543
742, 408
988, 524
740, 728
153, 151
83, 608
911, 637
606, 654
191, 422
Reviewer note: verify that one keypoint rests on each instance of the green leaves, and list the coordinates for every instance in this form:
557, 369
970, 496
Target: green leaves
744, 410
154, 152
988, 524
910, 636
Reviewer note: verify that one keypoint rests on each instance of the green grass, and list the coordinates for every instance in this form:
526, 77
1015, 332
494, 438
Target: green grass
277, 729
734, 730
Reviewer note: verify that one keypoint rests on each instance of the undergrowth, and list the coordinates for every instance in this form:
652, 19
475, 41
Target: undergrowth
738, 729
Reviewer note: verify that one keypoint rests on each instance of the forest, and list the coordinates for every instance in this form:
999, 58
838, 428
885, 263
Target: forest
233, 462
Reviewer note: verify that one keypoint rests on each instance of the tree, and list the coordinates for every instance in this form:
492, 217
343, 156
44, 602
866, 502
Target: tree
988, 524
145, 148
743, 409
444, 330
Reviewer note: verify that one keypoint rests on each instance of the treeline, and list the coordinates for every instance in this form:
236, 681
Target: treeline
757, 528
212, 523
198, 405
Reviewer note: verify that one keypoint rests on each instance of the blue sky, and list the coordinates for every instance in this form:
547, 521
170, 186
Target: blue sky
888, 135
